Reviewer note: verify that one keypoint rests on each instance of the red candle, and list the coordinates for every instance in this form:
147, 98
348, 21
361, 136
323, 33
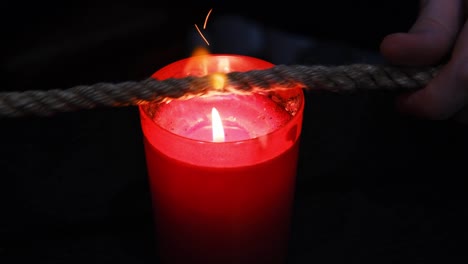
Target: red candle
222, 199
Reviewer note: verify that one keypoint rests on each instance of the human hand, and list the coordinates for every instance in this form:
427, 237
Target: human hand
440, 32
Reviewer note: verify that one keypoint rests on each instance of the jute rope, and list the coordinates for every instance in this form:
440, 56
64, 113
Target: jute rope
341, 79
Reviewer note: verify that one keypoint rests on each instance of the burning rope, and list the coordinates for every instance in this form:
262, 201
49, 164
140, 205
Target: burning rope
340, 79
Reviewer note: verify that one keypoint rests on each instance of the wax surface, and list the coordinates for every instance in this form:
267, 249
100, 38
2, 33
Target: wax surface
244, 116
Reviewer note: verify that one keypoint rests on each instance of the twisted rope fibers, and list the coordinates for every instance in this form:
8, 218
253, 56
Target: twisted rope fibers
339, 79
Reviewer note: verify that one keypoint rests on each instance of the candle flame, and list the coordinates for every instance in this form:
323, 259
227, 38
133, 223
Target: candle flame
217, 126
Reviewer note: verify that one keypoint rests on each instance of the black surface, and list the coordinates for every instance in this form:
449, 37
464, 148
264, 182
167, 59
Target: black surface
373, 186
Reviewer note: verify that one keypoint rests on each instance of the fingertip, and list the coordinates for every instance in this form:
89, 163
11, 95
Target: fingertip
407, 105
391, 47
421, 104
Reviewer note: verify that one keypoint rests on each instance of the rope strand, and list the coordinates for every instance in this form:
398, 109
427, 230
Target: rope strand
339, 79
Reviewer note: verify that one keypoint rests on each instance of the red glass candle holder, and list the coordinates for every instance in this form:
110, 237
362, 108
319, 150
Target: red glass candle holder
230, 201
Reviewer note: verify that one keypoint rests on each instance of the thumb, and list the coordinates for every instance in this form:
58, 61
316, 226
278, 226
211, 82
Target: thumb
430, 38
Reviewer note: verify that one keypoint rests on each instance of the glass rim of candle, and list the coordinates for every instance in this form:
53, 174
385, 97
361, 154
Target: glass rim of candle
289, 130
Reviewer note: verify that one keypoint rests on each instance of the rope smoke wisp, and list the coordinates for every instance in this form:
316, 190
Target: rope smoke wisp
338, 79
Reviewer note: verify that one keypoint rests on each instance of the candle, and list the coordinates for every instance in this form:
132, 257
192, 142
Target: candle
223, 198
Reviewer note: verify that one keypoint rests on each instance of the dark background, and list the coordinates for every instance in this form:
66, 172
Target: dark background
373, 186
